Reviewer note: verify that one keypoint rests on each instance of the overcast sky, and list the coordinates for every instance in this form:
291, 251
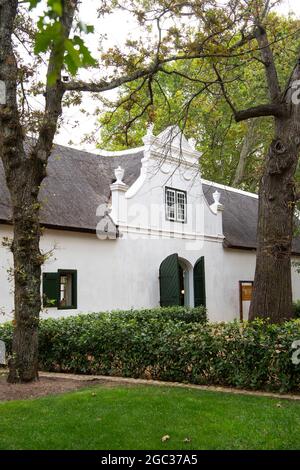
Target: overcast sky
117, 28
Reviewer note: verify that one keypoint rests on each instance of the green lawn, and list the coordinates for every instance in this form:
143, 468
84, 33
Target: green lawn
138, 417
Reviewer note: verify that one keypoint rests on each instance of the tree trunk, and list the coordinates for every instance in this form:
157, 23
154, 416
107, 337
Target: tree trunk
272, 295
27, 272
25, 171
247, 148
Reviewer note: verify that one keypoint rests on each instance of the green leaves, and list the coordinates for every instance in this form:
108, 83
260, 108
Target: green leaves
47, 36
173, 343
71, 53
33, 3
56, 6
77, 55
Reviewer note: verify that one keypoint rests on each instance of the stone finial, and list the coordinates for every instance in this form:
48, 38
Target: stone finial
119, 174
192, 143
149, 137
216, 196
217, 206
150, 128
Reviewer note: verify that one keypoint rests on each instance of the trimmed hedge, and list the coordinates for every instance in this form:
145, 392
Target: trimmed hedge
158, 344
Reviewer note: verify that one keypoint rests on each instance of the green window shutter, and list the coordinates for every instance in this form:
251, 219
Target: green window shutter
50, 289
74, 288
199, 283
169, 281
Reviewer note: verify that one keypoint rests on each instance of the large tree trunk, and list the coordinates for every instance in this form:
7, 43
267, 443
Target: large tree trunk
27, 272
272, 295
24, 173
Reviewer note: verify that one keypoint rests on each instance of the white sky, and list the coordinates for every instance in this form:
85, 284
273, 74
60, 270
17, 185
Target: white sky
117, 28
289, 6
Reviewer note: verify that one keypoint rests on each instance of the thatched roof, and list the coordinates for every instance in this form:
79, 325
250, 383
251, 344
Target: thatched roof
78, 182
239, 216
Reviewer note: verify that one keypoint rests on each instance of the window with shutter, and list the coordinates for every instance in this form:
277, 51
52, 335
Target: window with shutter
169, 281
50, 289
199, 283
60, 289
67, 289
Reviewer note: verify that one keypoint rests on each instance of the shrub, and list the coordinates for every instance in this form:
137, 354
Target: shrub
184, 314
158, 344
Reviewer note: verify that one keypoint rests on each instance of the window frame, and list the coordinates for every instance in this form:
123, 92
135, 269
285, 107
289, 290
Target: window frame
73, 272
180, 192
176, 205
167, 191
56, 277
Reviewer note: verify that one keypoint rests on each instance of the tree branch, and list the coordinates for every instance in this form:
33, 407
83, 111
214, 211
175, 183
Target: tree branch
54, 92
104, 85
269, 63
220, 80
276, 110
11, 132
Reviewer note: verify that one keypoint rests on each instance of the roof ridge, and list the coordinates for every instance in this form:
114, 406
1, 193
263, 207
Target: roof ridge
120, 153
229, 188
102, 152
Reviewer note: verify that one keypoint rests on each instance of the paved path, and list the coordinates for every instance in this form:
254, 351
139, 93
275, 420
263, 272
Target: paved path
122, 380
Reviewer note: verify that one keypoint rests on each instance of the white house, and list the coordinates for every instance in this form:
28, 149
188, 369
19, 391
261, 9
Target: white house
139, 228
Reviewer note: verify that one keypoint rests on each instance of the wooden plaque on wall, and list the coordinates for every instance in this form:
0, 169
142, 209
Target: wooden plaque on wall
245, 289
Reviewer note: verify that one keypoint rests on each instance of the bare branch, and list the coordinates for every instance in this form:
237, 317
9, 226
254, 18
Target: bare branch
220, 80
276, 110
104, 85
269, 63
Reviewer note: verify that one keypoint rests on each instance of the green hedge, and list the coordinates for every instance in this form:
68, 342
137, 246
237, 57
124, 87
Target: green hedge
158, 344
118, 319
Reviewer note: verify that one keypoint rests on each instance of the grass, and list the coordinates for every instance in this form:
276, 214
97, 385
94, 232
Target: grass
138, 417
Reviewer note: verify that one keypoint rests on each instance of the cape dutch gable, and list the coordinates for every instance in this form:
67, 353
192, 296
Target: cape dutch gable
139, 228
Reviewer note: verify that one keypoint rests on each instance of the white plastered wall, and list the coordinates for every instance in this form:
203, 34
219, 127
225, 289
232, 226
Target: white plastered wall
123, 274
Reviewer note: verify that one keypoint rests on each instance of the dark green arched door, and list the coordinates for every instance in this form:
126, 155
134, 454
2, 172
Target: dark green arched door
169, 281
199, 283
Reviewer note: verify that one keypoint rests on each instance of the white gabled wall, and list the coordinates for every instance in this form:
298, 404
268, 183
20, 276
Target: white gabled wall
112, 274
169, 161
123, 274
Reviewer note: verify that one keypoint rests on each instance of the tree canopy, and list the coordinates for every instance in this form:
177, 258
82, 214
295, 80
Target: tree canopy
233, 153
200, 63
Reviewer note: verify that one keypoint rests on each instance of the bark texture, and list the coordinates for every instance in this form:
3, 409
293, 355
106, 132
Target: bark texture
22, 181
272, 296
25, 171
